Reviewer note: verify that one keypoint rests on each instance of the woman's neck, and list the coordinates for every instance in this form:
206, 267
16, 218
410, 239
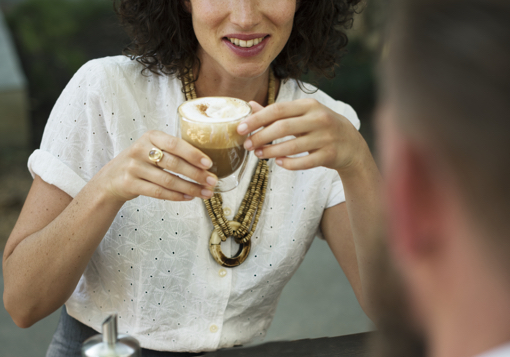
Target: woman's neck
214, 81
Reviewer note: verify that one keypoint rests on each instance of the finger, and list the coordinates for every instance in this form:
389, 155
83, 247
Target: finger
288, 148
174, 183
150, 189
256, 107
243, 128
301, 163
274, 112
180, 148
280, 129
175, 164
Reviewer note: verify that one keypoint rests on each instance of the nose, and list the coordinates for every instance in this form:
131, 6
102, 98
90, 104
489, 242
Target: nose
245, 13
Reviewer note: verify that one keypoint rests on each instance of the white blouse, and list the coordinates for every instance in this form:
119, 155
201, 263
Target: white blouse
153, 266
501, 351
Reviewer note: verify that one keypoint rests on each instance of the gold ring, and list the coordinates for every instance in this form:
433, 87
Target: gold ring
155, 155
215, 249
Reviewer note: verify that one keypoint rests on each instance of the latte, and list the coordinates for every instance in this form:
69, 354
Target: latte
210, 124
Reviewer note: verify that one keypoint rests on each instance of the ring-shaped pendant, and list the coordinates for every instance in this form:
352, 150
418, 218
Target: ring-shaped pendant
215, 249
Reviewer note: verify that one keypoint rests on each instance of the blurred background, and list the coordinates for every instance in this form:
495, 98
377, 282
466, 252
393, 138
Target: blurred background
44, 42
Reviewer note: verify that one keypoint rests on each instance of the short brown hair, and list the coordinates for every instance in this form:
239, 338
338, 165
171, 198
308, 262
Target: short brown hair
448, 68
163, 39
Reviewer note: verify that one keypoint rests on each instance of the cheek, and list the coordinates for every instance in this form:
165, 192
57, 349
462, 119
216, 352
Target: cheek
281, 13
206, 15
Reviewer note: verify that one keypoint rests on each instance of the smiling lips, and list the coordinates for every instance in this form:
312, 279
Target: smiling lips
243, 43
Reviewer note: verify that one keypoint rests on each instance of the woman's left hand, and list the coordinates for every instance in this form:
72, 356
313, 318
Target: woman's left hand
329, 138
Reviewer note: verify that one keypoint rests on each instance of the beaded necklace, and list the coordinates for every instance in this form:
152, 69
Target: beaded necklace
243, 225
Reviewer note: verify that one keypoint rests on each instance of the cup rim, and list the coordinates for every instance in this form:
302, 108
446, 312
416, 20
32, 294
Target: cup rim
216, 122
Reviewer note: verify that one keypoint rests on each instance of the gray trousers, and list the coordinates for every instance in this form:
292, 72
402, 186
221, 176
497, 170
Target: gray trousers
71, 333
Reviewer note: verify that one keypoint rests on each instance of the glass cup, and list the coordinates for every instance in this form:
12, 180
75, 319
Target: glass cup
210, 125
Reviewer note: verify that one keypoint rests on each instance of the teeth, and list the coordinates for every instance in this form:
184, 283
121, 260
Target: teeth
249, 43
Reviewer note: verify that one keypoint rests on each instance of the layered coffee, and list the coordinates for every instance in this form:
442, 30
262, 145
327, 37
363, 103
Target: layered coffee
210, 124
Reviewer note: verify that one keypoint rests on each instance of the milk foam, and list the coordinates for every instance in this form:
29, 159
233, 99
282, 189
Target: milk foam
214, 109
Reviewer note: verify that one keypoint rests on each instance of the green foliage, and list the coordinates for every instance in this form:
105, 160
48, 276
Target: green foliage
48, 28
54, 38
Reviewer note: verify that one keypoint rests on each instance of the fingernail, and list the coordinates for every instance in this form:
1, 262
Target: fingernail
248, 144
211, 181
206, 162
279, 162
207, 193
258, 153
242, 128
188, 197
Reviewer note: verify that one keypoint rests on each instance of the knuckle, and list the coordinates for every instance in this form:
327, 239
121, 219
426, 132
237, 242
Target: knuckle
289, 164
171, 143
172, 161
323, 118
136, 147
294, 147
125, 180
150, 134
277, 109
132, 166
168, 180
310, 164
328, 137
282, 127
158, 192
311, 102
198, 175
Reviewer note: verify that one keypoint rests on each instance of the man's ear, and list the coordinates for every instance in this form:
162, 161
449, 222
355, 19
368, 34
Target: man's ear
415, 203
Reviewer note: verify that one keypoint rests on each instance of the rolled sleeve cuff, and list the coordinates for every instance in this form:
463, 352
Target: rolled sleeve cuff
53, 171
336, 195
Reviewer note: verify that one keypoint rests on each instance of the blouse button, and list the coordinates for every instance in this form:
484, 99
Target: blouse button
222, 273
213, 328
227, 211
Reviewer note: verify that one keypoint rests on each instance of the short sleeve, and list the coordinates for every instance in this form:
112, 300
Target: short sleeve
351, 115
291, 91
76, 142
336, 194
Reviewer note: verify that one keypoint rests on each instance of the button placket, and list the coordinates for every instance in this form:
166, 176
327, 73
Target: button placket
222, 283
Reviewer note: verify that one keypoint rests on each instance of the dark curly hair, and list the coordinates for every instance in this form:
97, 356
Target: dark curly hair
163, 39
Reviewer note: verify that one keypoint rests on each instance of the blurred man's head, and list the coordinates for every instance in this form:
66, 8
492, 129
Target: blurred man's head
444, 140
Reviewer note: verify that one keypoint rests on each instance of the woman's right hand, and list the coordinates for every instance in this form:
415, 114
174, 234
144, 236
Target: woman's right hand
132, 173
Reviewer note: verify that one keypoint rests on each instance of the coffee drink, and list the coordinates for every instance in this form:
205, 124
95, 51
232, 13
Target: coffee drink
210, 124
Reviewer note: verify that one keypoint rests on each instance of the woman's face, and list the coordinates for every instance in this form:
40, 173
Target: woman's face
241, 37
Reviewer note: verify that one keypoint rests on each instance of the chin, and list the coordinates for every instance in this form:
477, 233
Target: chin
247, 71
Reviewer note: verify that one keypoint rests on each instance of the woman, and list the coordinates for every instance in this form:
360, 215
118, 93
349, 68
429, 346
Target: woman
104, 229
